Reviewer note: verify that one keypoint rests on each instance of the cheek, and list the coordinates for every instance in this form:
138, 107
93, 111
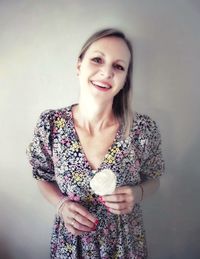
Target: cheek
92, 67
88, 68
122, 80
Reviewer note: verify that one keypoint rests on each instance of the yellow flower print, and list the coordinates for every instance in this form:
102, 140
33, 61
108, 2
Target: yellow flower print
89, 198
60, 123
114, 150
101, 242
77, 177
156, 174
75, 146
116, 255
69, 248
110, 158
141, 238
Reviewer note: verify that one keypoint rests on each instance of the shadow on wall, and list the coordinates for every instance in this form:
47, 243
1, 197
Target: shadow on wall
181, 197
4, 249
172, 216
12, 244
186, 226
25, 228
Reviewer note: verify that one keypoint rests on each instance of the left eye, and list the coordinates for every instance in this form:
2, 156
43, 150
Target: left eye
119, 67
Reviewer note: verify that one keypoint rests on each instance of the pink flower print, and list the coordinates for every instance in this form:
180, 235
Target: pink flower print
66, 177
65, 142
137, 164
73, 197
106, 231
55, 159
87, 240
55, 130
76, 198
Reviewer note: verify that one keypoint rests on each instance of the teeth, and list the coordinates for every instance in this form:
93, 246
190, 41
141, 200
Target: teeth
101, 84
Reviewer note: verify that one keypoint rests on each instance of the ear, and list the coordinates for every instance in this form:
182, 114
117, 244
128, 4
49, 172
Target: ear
78, 66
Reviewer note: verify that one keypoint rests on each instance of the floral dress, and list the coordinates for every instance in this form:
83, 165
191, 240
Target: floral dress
56, 155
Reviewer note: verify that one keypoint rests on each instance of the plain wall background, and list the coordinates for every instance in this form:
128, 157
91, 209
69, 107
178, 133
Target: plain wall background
39, 44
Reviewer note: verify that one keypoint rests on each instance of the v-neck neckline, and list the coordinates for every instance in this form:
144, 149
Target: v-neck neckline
117, 138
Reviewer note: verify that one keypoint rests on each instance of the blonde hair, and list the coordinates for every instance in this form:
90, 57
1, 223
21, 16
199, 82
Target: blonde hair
122, 101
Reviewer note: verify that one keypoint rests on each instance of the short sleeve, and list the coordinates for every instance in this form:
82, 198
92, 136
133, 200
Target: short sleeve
40, 149
153, 165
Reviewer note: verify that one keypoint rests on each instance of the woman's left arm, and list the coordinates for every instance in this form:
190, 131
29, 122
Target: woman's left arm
124, 198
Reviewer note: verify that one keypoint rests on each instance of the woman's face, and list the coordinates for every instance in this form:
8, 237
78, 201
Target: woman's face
103, 69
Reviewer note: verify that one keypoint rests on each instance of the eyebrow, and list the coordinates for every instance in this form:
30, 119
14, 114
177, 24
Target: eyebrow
104, 56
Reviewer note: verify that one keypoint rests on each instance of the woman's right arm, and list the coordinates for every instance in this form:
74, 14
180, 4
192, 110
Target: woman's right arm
50, 191
76, 218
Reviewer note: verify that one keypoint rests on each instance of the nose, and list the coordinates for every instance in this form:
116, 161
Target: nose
106, 71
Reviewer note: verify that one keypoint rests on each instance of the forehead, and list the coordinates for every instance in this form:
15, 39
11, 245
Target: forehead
111, 46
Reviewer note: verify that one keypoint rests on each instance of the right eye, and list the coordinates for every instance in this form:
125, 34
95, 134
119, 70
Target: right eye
97, 60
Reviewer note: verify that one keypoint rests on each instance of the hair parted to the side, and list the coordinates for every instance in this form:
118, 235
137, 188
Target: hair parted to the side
122, 101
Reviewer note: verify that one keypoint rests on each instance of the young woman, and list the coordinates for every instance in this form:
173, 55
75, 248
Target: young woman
72, 144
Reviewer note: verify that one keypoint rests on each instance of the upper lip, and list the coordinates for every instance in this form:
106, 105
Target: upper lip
101, 83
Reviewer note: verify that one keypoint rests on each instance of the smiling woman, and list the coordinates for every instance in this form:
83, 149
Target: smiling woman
95, 161
105, 69
117, 46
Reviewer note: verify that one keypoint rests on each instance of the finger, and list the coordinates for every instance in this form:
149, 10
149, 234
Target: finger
73, 230
72, 212
81, 227
114, 198
120, 212
123, 190
81, 220
83, 212
117, 206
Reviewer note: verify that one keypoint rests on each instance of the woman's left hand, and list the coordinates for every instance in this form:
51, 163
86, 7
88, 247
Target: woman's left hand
122, 200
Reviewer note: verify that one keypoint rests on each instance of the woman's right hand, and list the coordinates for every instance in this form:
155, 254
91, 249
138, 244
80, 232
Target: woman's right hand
77, 219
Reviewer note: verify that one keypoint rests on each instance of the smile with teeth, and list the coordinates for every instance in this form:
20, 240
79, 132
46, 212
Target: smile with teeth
101, 84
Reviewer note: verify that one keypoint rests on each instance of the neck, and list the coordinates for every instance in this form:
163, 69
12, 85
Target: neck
94, 116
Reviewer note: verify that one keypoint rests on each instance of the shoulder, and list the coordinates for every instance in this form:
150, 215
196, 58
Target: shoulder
144, 120
145, 134
52, 118
55, 114
145, 124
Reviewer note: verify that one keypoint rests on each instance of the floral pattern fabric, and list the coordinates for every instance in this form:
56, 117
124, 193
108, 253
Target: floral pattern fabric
56, 155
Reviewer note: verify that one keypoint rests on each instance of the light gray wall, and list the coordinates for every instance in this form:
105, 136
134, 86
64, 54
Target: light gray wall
39, 43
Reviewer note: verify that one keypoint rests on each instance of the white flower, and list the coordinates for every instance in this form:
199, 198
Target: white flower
104, 182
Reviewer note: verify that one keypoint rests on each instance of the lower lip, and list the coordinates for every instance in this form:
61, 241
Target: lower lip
100, 89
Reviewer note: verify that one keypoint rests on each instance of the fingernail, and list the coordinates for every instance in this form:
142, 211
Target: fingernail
100, 198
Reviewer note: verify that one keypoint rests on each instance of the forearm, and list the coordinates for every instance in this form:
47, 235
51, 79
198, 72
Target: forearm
50, 191
149, 188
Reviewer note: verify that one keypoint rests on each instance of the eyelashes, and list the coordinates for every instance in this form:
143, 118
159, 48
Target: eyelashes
99, 60
119, 67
